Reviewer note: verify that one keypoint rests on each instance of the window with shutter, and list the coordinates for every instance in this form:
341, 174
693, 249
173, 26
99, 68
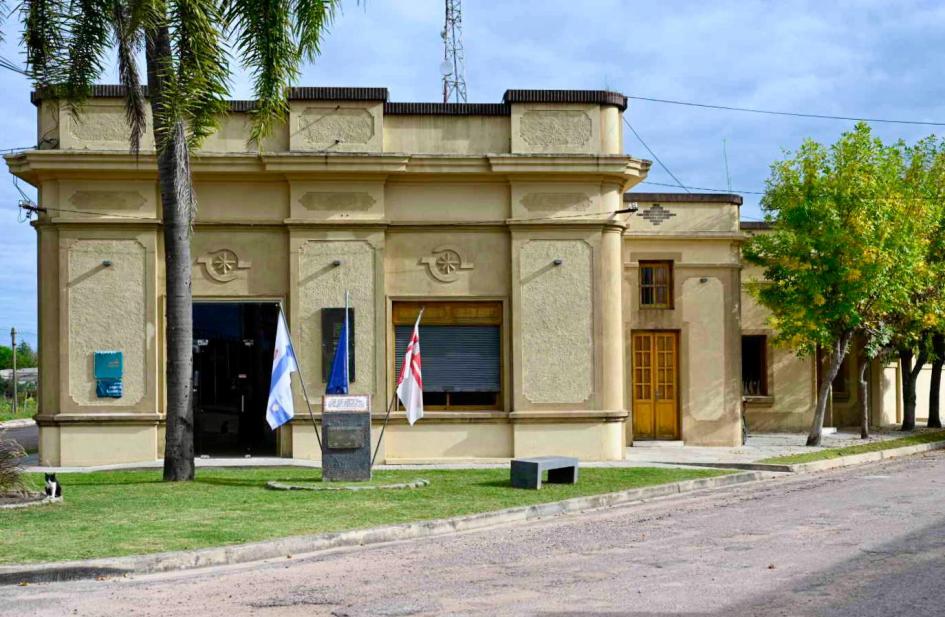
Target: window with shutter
461, 351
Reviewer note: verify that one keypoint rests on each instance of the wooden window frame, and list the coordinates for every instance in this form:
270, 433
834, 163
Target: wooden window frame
655, 265
453, 313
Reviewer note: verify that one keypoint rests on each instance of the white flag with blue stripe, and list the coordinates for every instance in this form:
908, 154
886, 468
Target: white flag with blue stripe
279, 408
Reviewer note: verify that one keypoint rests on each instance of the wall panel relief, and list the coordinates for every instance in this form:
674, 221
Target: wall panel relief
543, 128
703, 307
107, 311
99, 123
446, 263
323, 285
223, 265
110, 200
327, 125
336, 201
554, 202
557, 321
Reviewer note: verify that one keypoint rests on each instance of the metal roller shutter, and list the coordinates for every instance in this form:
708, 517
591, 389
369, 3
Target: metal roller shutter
455, 358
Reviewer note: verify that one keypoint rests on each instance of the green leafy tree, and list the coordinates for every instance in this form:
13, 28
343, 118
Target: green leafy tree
918, 324
25, 356
186, 45
842, 251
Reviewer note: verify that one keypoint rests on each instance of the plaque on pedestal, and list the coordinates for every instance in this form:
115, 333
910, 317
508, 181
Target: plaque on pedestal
346, 438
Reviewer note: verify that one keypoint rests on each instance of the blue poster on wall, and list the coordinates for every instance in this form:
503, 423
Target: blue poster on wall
108, 374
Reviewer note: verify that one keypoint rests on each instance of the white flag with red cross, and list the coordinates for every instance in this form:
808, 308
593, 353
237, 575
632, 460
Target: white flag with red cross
410, 382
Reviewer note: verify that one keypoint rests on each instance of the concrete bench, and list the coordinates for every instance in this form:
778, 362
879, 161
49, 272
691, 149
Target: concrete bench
527, 472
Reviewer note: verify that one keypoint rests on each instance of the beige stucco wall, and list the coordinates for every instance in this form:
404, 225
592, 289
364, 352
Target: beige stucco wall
382, 196
792, 387
706, 316
447, 134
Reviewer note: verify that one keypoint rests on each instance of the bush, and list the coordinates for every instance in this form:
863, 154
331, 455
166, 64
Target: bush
11, 481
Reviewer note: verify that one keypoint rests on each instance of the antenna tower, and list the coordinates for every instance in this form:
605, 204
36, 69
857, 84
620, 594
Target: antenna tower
453, 67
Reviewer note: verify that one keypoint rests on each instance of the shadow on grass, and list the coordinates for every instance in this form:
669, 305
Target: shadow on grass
67, 481
253, 483
494, 484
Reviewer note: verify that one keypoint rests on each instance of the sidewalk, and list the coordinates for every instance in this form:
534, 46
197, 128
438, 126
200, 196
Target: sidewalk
761, 446
647, 455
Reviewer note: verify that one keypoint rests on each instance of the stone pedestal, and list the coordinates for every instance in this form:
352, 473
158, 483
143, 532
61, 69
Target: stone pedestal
346, 438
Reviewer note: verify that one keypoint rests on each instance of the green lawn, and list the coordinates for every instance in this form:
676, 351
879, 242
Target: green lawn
133, 512
26, 409
872, 446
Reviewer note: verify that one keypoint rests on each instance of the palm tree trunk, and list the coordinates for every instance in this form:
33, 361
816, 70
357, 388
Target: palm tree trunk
935, 385
863, 393
836, 357
177, 211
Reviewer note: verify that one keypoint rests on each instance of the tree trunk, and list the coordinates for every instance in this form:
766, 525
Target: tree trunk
910, 375
836, 357
863, 393
177, 212
935, 385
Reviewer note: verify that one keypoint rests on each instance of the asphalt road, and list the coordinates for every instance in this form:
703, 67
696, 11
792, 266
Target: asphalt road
26, 436
861, 542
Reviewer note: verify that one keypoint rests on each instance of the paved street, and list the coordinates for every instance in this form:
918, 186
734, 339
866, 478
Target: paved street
858, 542
26, 436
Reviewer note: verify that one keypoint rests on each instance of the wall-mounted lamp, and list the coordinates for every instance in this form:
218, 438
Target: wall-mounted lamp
631, 208
557, 262
336, 263
107, 263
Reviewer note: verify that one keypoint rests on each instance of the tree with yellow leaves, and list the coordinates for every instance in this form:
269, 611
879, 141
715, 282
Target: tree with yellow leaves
844, 250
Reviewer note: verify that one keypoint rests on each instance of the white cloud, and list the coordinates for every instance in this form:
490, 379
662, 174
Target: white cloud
866, 57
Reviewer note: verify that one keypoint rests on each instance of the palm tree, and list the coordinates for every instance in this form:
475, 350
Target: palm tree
187, 48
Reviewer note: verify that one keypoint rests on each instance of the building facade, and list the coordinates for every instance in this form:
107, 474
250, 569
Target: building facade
563, 314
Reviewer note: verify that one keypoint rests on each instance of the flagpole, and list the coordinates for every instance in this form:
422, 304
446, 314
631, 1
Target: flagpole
391, 405
302, 381
347, 344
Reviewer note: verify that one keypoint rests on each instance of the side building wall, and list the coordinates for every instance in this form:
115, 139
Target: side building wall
698, 236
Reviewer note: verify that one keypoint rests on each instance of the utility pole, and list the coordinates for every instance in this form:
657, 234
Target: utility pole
13, 343
453, 67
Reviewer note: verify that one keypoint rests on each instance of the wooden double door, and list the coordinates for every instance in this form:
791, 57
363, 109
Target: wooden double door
655, 385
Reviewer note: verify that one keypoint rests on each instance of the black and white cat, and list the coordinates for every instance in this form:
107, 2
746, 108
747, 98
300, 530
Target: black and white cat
53, 488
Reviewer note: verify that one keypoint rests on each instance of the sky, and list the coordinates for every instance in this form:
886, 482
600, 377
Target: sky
867, 58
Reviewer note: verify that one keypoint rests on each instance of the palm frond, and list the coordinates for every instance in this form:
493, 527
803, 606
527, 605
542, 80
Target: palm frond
200, 83
44, 36
312, 19
128, 41
272, 37
89, 29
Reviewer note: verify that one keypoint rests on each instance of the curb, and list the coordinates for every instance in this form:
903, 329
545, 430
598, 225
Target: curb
866, 457
832, 463
45, 501
299, 545
20, 423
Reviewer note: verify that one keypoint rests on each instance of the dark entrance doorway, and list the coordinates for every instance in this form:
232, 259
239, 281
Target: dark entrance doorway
233, 347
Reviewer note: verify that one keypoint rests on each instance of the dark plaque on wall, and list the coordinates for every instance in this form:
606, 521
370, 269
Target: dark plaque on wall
332, 320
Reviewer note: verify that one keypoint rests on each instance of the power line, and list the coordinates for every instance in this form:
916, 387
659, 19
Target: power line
772, 112
656, 158
705, 188
31, 208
